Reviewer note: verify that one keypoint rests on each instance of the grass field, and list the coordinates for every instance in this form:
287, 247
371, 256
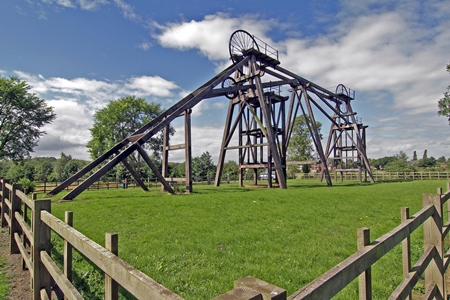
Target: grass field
197, 245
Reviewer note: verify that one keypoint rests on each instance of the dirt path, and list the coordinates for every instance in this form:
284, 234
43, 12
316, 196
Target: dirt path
19, 280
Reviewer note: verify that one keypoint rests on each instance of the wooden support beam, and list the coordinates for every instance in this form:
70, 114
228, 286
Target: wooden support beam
135, 175
188, 150
155, 170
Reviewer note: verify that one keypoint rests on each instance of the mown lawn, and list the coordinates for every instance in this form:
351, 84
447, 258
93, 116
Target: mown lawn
197, 245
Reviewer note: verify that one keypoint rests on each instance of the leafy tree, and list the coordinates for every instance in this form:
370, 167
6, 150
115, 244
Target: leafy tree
70, 168
414, 156
58, 168
119, 119
202, 166
178, 170
292, 170
44, 170
301, 146
380, 163
427, 162
441, 160
230, 168
399, 163
22, 114
444, 103
425, 155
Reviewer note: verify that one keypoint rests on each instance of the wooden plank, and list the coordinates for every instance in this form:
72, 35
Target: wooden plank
432, 229
63, 283
8, 220
133, 280
24, 253
240, 293
44, 295
430, 293
267, 290
68, 253
22, 196
25, 227
176, 147
365, 279
8, 203
41, 236
338, 277
406, 248
188, 150
155, 170
111, 286
403, 291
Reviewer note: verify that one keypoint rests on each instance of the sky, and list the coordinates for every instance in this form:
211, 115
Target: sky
79, 55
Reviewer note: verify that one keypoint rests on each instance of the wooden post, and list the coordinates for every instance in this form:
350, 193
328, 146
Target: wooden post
406, 248
365, 279
434, 274
68, 219
188, 150
41, 242
111, 286
5, 194
14, 226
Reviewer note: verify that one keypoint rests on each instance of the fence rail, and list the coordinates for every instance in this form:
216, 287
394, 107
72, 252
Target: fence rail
384, 176
31, 238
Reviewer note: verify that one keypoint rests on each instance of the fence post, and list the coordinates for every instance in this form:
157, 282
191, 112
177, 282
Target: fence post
68, 219
5, 194
111, 286
14, 226
432, 228
41, 242
406, 248
365, 279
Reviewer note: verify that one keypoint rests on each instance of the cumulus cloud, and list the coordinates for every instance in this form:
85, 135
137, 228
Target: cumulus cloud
76, 100
149, 85
210, 35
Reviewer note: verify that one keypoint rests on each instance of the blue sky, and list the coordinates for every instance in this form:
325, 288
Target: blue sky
80, 54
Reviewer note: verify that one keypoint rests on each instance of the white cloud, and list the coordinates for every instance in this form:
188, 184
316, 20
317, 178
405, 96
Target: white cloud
149, 85
204, 138
75, 102
210, 35
127, 10
83, 4
145, 45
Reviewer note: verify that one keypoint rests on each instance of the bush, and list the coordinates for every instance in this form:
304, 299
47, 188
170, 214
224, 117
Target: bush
27, 185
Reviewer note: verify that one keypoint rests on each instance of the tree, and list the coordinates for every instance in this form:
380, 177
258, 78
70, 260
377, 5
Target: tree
425, 154
230, 168
43, 171
427, 162
22, 114
399, 163
119, 119
301, 145
414, 156
444, 103
202, 166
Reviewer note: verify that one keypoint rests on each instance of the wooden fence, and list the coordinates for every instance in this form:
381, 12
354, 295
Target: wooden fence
385, 176
31, 224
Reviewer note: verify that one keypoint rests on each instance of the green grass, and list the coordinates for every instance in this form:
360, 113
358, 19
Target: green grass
197, 245
4, 285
